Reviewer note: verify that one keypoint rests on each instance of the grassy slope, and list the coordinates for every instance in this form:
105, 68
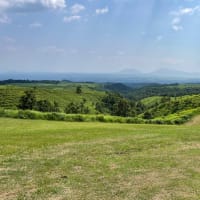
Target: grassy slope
150, 101
189, 107
62, 93
58, 160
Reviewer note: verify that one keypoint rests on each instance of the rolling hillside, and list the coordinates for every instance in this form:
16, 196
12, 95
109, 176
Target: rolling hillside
166, 104
63, 93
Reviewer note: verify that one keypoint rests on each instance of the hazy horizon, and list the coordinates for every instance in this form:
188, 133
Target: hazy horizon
93, 36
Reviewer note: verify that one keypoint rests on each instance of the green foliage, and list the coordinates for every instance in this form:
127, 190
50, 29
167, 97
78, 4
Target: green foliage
117, 105
170, 90
148, 115
47, 106
28, 100
62, 93
79, 89
122, 108
77, 108
62, 97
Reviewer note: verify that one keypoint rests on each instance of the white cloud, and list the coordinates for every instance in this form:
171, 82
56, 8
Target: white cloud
23, 4
52, 49
35, 25
177, 27
178, 15
72, 18
76, 8
185, 11
102, 11
176, 24
176, 20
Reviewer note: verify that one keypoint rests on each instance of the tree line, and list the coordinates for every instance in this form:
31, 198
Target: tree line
113, 104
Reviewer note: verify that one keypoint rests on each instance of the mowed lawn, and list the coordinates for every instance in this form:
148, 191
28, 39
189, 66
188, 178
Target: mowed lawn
90, 161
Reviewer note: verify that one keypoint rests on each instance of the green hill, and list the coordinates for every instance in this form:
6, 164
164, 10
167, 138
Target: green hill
167, 109
63, 93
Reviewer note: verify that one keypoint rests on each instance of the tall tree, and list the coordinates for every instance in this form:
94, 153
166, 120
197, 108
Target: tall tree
28, 100
79, 89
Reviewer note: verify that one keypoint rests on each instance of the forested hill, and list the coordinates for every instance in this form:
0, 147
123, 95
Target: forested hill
173, 90
175, 103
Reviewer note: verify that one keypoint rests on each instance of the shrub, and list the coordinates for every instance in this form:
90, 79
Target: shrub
100, 118
2, 112
55, 116
79, 118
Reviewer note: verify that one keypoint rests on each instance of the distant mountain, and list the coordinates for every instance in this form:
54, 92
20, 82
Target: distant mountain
125, 76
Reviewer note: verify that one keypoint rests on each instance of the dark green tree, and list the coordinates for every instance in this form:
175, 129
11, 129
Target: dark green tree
44, 106
28, 100
56, 107
79, 89
148, 115
122, 108
77, 108
72, 108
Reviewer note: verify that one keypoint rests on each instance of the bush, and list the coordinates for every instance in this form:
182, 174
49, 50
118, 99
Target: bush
2, 112
55, 116
100, 118
79, 118
28, 114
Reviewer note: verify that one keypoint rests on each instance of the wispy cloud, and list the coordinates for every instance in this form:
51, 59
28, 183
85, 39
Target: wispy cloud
71, 18
101, 11
77, 8
185, 11
179, 14
35, 25
176, 26
28, 4
52, 49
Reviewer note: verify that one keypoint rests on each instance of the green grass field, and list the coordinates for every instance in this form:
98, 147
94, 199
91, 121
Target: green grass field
90, 161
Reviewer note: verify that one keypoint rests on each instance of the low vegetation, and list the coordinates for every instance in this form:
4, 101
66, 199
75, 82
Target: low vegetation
76, 161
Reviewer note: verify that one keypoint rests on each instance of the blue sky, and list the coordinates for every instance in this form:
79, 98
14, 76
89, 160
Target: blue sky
99, 35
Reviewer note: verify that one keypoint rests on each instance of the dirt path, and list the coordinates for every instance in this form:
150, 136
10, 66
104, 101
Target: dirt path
194, 121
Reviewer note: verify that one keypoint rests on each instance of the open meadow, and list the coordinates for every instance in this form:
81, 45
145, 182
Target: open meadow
80, 161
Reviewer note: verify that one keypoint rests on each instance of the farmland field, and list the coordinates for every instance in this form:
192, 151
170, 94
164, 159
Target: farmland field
80, 161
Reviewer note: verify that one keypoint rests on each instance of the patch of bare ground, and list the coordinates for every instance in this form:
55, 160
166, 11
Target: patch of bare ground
162, 195
2, 169
67, 193
194, 121
158, 180
190, 145
9, 195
